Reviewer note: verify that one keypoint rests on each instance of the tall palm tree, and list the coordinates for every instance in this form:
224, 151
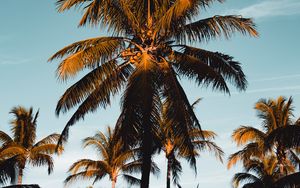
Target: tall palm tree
265, 173
145, 54
114, 161
174, 149
279, 134
22, 148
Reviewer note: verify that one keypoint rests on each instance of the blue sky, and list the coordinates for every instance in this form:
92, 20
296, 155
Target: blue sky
31, 31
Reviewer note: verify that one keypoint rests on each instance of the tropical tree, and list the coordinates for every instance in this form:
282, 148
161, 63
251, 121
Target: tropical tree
173, 148
113, 162
22, 149
280, 134
146, 53
265, 173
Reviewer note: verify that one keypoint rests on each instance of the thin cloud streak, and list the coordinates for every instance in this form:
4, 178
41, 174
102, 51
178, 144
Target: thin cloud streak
270, 8
284, 77
13, 61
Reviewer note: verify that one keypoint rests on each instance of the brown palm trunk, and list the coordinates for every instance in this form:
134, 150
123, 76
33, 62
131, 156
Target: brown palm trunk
146, 166
20, 176
169, 173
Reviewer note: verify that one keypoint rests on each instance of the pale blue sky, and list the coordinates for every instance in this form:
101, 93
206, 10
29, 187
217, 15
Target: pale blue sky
31, 31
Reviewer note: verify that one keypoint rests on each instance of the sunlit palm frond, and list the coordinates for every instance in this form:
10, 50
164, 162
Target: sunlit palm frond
84, 175
250, 150
86, 54
178, 12
51, 139
48, 149
246, 134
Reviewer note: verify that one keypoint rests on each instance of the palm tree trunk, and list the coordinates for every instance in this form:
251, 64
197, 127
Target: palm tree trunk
169, 173
20, 176
146, 156
113, 185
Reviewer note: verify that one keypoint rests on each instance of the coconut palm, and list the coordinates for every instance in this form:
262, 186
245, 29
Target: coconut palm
279, 134
146, 53
113, 162
174, 149
265, 173
22, 149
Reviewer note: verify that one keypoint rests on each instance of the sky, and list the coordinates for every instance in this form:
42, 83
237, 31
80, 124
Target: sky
32, 30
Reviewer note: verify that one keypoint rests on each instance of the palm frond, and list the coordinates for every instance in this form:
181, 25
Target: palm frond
39, 159
88, 53
131, 180
110, 86
5, 138
244, 178
209, 28
221, 63
195, 69
246, 134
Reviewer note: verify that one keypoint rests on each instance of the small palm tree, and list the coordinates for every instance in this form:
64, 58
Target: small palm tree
114, 161
174, 148
279, 134
22, 148
147, 52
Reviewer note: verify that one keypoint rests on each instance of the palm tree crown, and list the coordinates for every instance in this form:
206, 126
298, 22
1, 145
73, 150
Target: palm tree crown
146, 53
114, 161
22, 148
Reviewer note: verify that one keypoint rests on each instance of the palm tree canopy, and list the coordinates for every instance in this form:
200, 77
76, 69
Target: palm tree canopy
148, 45
149, 48
22, 148
113, 160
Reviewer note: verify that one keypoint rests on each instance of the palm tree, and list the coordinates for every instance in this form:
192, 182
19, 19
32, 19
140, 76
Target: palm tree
280, 134
265, 173
22, 148
114, 161
146, 53
173, 148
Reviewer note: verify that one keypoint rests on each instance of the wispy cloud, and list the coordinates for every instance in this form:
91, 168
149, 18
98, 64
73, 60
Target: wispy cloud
283, 77
270, 8
13, 60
